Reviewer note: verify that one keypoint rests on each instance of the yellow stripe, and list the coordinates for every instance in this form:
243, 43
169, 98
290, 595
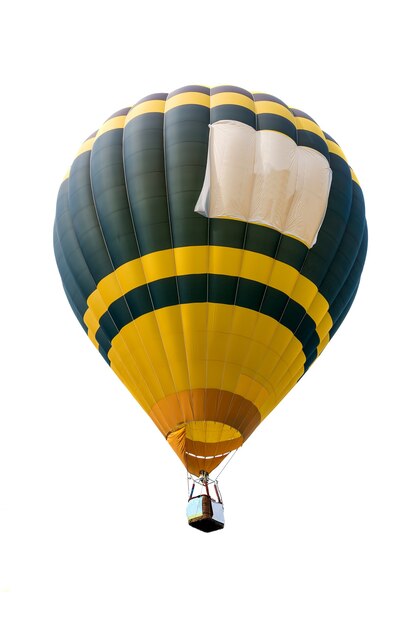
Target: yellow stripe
149, 106
111, 124
210, 432
354, 176
274, 108
323, 329
323, 344
302, 123
335, 149
194, 260
218, 99
189, 97
229, 97
86, 146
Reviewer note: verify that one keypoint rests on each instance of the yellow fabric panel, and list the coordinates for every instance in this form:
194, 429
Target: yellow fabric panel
318, 309
218, 99
121, 281
192, 259
202, 448
111, 124
124, 375
152, 354
129, 356
189, 97
324, 342
210, 432
266, 106
227, 263
158, 265
170, 323
272, 401
229, 97
175, 349
335, 149
324, 326
354, 177
195, 338
86, 146
93, 324
255, 390
177, 440
302, 123
149, 106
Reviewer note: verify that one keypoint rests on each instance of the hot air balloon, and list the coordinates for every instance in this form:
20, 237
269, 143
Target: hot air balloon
210, 243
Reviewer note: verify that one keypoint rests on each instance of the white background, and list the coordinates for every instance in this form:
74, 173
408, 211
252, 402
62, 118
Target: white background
320, 503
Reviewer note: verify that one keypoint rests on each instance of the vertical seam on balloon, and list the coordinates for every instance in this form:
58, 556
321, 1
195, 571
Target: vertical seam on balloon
176, 279
229, 336
87, 265
207, 308
121, 291
148, 287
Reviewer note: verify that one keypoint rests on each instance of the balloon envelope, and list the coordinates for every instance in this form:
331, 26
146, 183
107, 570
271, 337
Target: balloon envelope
210, 242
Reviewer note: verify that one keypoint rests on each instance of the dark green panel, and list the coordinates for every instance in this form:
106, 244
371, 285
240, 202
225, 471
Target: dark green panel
229, 233
190, 88
186, 146
233, 112
75, 273
292, 252
69, 255
348, 249
344, 299
164, 292
192, 289
222, 288
153, 96
72, 290
249, 294
311, 140
144, 165
299, 113
110, 197
84, 219
230, 89
262, 240
278, 123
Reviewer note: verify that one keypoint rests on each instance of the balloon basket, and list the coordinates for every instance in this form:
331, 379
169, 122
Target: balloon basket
205, 512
